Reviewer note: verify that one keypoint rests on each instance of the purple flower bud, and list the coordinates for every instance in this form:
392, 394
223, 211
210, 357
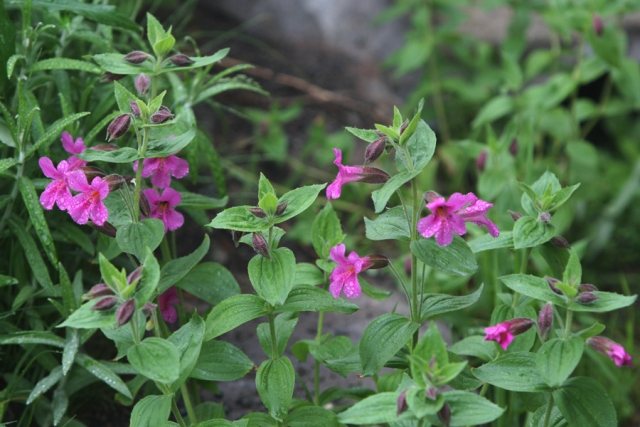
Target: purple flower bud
586, 287
587, 297
444, 415
260, 245
257, 212
115, 181
107, 228
431, 393
236, 236
162, 115
125, 312
135, 108
282, 207
134, 275
105, 303
377, 261
373, 176
612, 349
108, 77
402, 403
105, 147
598, 25
481, 161
181, 60
375, 150
142, 83
560, 242
545, 217
514, 147
515, 215
431, 196
136, 57
118, 127
404, 126
145, 207
147, 308
91, 172
545, 320
552, 284
99, 290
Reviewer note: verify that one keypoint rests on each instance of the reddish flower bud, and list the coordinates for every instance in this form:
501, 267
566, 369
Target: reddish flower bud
257, 212
147, 309
402, 402
404, 126
91, 172
118, 127
375, 150
162, 115
545, 320
125, 312
236, 236
514, 147
560, 242
612, 349
586, 287
373, 176
136, 57
135, 108
99, 290
598, 25
105, 303
282, 207
105, 147
431, 393
181, 60
108, 77
107, 228
552, 284
431, 196
134, 275
545, 217
481, 161
115, 181
377, 261
142, 83
515, 215
444, 415
145, 207
260, 245
587, 297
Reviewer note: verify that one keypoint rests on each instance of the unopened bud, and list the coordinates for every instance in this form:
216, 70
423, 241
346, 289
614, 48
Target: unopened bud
545, 320
145, 207
403, 127
431, 393
136, 57
105, 147
162, 115
586, 287
107, 228
108, 77
545, 217
282, 207
519, 325
181, 60
587, 297
115, 181
481, 161
514, 147
135, 108
91, 172
142, 83
125, 312
615, 351
444, 415
377, 261
552, 284
257, 212
598, 26
134, 275
560, 242
432, 362
236, 236
375, 150
515, 215
147, 308
402, 403
431, 196
118, 127
260, 245
373, 176
105, 303
407, 265
99, 290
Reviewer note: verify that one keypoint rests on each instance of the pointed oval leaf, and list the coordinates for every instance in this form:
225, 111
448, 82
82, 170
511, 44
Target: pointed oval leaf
135, 238
232, 313
221, 361
557, 359
382, 195
311, 298
275, 380
456, 258
585, 403
32, 202
513, 371
272, 279
156, 359
298, 201
152, 411
103, 373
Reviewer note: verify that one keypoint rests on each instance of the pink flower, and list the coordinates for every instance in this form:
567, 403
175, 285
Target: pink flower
57, 192
612, 349
162, 207
89, 203
345, 274
69, 146
162, 168
353, 173
168, 297
503, 333
449, 217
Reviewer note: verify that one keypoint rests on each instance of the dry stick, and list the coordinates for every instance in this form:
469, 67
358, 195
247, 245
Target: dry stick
310, 89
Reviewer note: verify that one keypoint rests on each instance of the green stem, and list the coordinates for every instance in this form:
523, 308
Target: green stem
547, 415
272, 329
567, 326
136, 197
523, 269
14, 193
187, 403
164, 247
415, 316
404, 286
176, 413
316, 366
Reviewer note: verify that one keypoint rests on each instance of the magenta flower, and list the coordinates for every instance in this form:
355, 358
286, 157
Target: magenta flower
612, 349
57, 192
449, 217
162, 207
89, 203
503, 333
345, 274
168, 297
72, 147
353, 173
162, 169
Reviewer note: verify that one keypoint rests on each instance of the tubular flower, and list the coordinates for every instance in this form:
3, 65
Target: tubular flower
353, 173
57, 192
168, 297
345, 275
503, 333
89, 203
449, 217
612, 349
161, 169
162, 207
72, 147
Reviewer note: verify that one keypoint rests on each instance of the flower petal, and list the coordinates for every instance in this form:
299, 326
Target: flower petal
337, 254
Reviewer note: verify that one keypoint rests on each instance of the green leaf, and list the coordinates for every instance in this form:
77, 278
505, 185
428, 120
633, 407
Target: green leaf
284, 326
156, 359
326, 231
7, 48
585, 403
6, 164
198, 201
431, 345
268, 204
475, 346
232, 313
275, 380
221, 361
60, 403
421, 146
455, 259
372, 292
188, 342
33, 337
557, 359
66, 289
534, 287
38, 267
367, 135
164, 45
591, 331
513, 371
102, 14
239, 82
608, 301
121, 155
45, 384
273, 279
376, 409
555, 420
311, 298
264, 187
307, 274
494, 109
177, 268
103, 373
148, 280
391, 133
382, 195
299, 200
155, 31
240, 219
211, 282
435, 304
135, 238
312, 416
561, 197
70, 350
470, 409
390, 225
572, 275
7, 280
86, 318
167, 146
152, 411
53, 132
124, 97
529, 232
32, 202
382, 338
64, 64
487, 242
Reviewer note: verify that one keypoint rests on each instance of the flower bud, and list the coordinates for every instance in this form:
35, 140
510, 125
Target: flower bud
282, 207
514, 147
134, 275
404, 126
105, 303
375, 150
181, 60
560, 242
444, 415
515, 215
481, 161
91, 172
107, 228
105, 147
598, 25
125, 312
236, 236
147, 308
407, 265
142, 83
118, 127
145, 207
586, 287
99, 290
115, 181
431, 393
431, 196
587, 297
373, 176
260, 245
545, 320
612, 349
136, 57
135, 108
402, 403
377, 261
108, 77
162, 115
545, 217
552, 284
257, 212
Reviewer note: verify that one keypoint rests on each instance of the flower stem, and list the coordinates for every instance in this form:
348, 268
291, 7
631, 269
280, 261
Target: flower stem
176, 413
274, 344
415, 315
547, 415
136, 197
187, 403
567, 326
523, 269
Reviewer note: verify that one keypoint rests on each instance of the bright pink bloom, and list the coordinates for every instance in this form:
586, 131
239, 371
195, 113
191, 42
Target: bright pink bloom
345, 274
345, 174
57, 192
612, 349
162, 207
503, 333
70, 146
162, 168
449, 217
89, 203
168, 297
